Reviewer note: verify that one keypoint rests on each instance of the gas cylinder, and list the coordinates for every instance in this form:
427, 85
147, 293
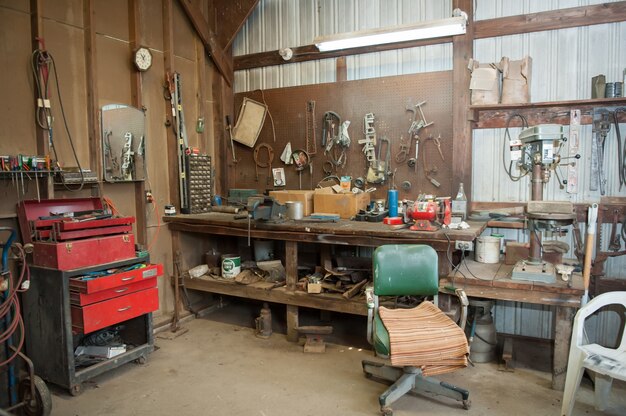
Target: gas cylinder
484, 340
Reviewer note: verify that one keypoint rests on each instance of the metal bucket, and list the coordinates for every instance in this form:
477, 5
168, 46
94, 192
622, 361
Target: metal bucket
294, 210
231, 266
487, 250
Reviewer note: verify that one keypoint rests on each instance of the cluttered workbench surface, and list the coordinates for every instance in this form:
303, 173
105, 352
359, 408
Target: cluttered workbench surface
330, 232
493, 281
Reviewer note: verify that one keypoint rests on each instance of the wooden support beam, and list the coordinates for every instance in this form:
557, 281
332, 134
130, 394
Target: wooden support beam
43, 148
311, 53
134, 31
228, 17
551, 20
462, 52
342, 69
222, 62
171, 140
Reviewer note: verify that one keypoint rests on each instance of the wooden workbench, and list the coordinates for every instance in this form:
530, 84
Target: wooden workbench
343, 232
493, 281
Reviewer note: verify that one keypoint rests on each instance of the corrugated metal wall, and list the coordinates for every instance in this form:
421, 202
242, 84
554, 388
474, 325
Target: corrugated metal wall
563, 63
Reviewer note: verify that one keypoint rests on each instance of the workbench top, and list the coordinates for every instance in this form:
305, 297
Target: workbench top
340, 232
493, 281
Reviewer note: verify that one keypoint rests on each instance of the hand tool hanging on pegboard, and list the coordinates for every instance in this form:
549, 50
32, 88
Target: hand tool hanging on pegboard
621, 151
176, 100
258, 163
601, 127
574, 143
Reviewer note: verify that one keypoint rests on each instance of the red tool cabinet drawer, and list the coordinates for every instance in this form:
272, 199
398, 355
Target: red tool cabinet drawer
83, 299
123, 278
99, 315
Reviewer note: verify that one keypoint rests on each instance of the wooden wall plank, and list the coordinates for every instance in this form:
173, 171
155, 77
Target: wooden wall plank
17, 115
91, 74
462, 52
112, 18
151, 24
228, 17
64, 11
222, 62
114, 65
66, 44
134, 30
551, 20
168, 68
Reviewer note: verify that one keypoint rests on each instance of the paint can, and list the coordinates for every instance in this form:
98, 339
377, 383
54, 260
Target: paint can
609, 91
294, 210
487, 250
231, 266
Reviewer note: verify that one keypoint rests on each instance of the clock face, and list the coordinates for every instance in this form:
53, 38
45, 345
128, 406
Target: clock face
143, 59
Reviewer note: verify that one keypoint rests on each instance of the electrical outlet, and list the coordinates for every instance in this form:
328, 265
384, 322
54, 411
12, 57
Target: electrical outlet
464, 245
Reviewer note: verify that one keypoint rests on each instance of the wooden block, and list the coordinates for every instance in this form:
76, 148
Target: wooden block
314, 288
315, 344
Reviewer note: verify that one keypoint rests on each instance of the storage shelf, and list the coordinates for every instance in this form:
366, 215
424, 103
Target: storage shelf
324, 301
557, 112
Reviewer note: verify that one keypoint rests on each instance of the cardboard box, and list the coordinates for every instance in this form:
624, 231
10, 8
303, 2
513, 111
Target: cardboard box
306, 197
345, 205
516, 76
485, 83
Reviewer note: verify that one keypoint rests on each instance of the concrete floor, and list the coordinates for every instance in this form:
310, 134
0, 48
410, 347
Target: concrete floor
218, 368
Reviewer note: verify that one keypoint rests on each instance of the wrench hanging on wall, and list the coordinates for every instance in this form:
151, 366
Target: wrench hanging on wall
601, 127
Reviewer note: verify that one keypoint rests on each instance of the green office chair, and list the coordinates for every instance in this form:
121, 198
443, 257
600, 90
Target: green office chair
404, 270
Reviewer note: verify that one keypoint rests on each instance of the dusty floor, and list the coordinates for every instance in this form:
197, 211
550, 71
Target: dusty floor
218, 368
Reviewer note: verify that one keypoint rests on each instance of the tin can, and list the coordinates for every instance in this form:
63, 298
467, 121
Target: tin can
231, 266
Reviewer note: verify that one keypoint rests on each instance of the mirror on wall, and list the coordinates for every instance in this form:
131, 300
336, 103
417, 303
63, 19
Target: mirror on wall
123, 143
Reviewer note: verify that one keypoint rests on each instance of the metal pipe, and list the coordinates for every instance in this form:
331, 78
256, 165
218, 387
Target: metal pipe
536, 195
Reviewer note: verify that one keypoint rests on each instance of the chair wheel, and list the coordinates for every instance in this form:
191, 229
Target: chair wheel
386, 411
467, 404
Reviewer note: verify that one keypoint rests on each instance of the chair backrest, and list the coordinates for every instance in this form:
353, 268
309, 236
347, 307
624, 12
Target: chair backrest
600, 301
405, 269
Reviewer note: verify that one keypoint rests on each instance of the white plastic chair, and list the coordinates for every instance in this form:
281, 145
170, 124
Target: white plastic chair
606, 362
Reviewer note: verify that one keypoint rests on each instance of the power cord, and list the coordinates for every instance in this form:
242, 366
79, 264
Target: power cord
42, 63
507, 140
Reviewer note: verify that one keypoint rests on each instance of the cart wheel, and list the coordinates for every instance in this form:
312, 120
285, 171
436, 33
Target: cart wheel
41, 404
76, 390
141, 360
386, 411
467, 404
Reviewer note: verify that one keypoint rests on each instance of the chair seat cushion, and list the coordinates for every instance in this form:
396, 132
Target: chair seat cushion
611, 362
425, 337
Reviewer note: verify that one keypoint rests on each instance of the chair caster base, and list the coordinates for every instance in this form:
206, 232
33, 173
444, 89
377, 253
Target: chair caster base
386, 411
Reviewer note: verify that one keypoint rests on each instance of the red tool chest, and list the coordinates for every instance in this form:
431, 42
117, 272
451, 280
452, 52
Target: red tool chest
106, 300
69, 234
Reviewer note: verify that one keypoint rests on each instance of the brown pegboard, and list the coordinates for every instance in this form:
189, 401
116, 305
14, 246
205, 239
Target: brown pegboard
386, 98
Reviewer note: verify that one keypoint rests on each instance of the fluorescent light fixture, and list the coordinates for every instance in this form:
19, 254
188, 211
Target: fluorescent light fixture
425, 30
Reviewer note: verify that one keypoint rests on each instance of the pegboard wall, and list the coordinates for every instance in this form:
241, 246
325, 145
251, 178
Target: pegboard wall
387, 98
